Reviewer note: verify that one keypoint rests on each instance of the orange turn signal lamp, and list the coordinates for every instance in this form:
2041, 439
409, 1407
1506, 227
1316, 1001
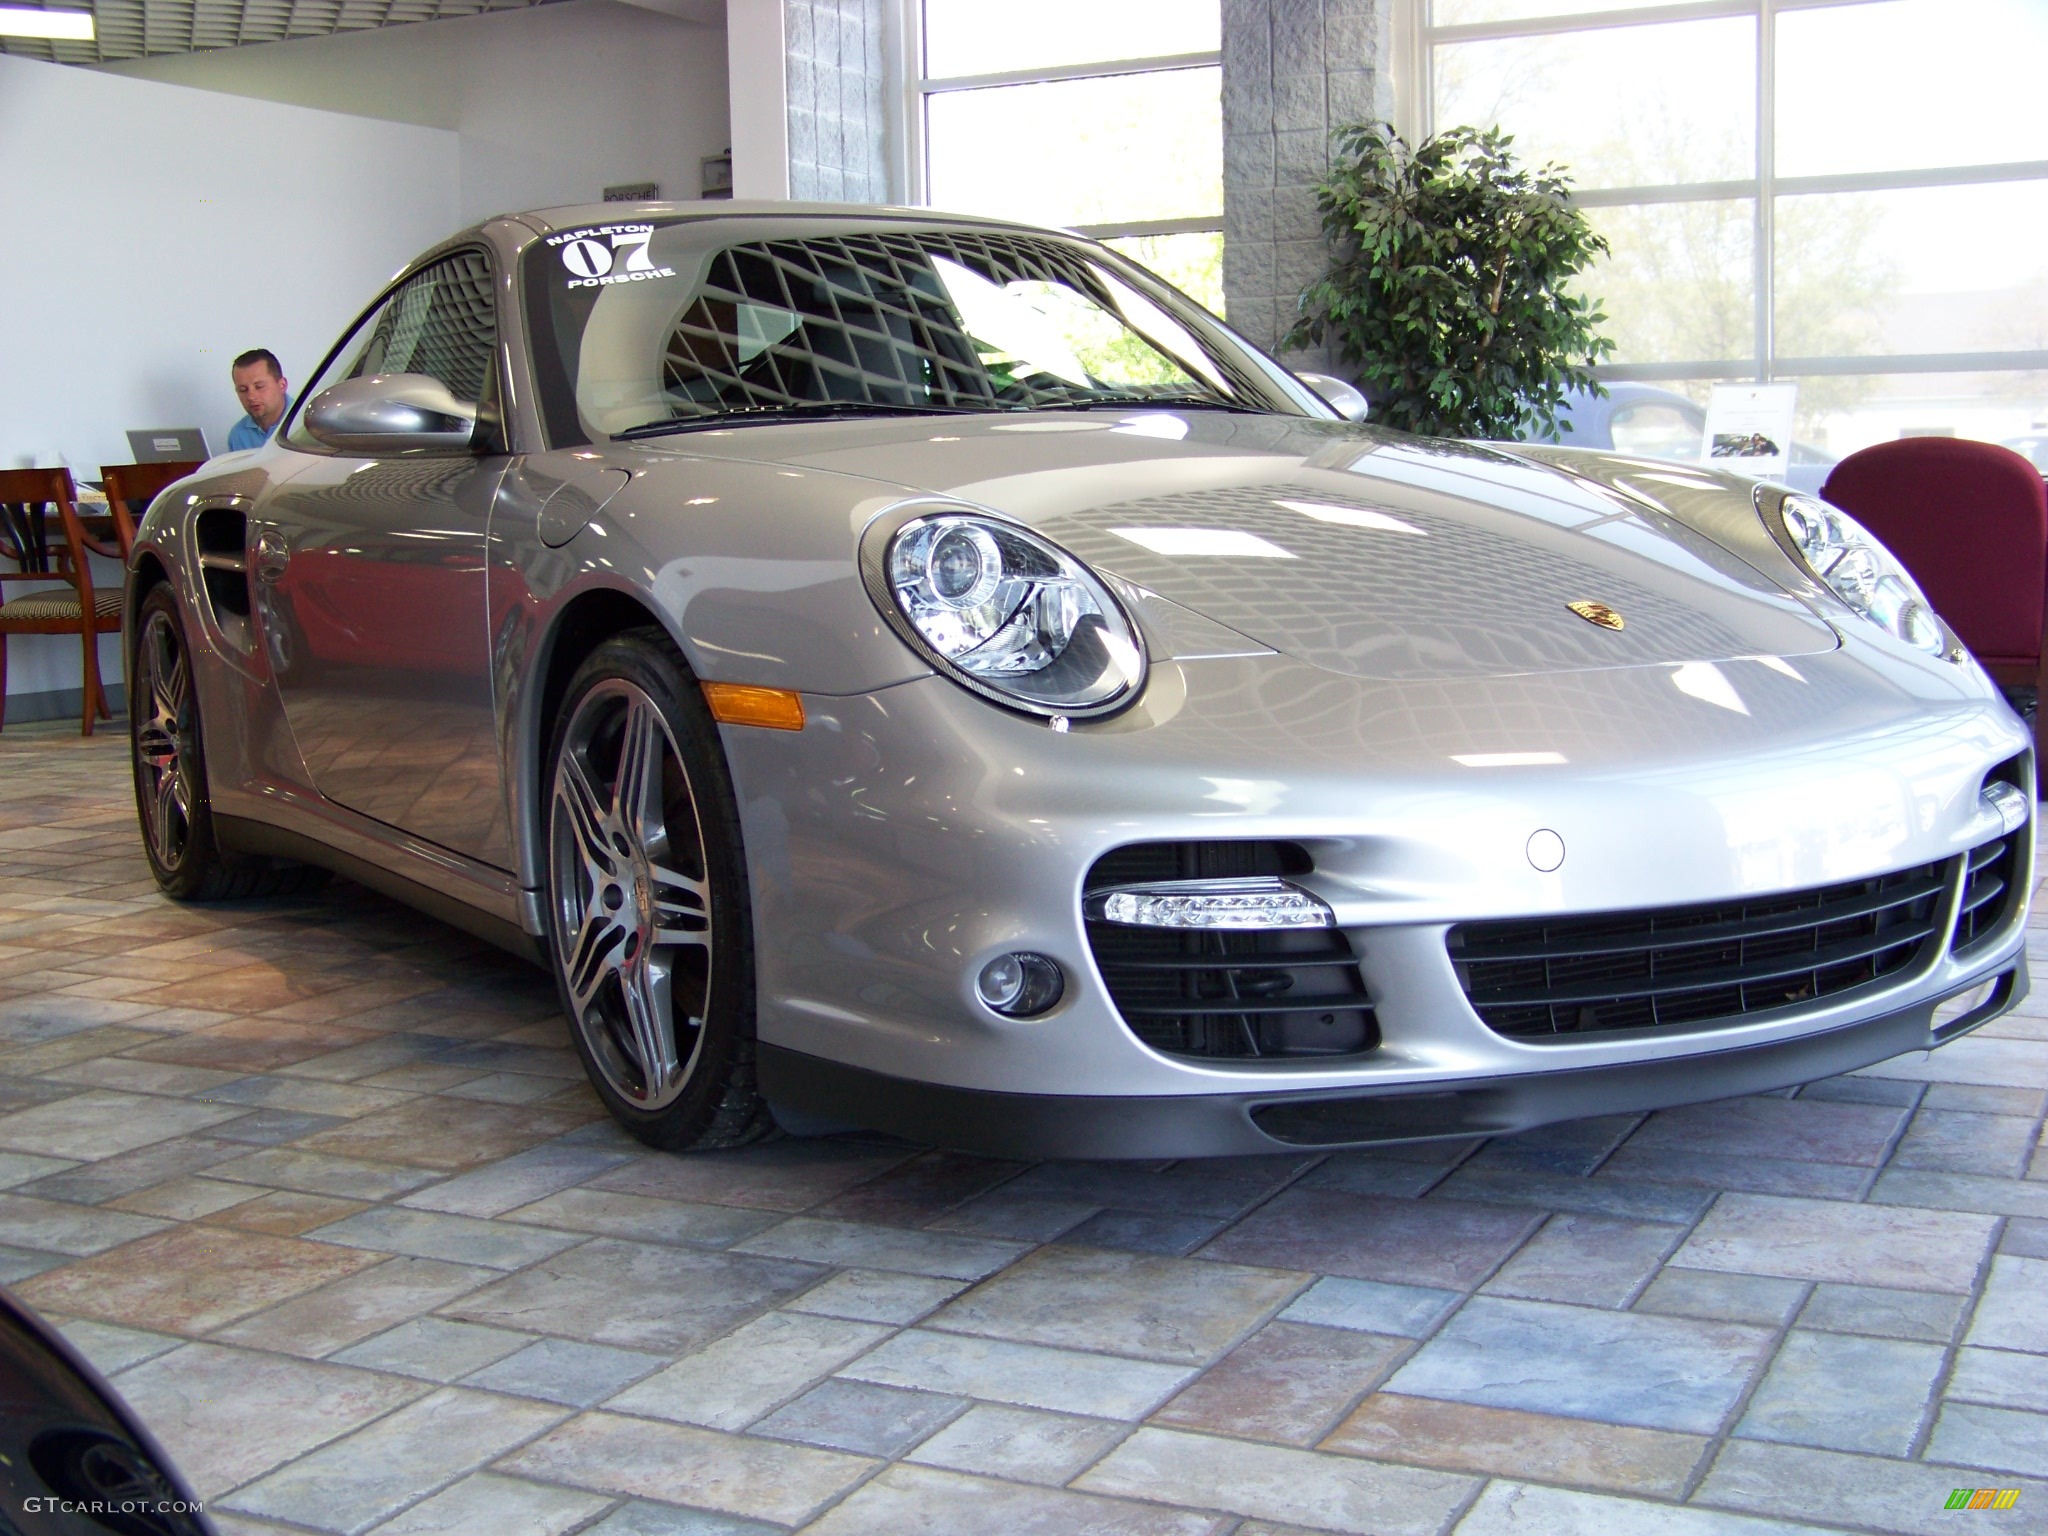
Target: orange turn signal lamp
776, 709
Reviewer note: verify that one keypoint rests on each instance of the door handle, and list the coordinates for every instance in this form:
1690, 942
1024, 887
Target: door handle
272, 554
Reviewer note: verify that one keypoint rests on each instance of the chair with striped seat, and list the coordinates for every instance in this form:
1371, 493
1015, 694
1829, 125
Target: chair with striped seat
52, 556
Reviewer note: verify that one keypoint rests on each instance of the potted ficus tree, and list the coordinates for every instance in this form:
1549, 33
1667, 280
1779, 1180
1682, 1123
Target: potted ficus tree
1446, 294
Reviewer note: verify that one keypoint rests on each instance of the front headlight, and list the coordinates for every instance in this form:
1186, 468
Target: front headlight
1860, 571
1006, 613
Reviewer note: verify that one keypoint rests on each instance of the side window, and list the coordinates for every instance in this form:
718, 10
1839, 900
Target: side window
1656, 431
441, 322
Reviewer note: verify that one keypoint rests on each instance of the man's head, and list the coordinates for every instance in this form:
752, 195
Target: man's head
259, 384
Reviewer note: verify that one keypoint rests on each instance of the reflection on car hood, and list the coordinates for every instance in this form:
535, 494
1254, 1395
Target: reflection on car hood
1363, 552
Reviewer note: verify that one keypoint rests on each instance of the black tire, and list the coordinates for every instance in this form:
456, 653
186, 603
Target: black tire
168, 758
650, 929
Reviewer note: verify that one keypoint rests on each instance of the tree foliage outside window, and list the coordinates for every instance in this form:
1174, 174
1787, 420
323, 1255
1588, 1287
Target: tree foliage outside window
1447, 291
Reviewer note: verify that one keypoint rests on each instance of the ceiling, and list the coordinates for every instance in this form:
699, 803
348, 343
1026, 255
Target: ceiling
134, 29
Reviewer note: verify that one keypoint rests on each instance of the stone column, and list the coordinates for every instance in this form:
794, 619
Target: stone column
810, 83
1292, 71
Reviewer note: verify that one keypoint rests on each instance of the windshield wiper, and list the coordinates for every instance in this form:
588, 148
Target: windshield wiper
1124, 402
795, 411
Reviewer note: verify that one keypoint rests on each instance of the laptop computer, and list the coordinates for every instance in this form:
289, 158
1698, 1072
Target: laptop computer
167, 445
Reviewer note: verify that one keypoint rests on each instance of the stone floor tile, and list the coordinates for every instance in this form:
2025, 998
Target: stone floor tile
132, 1076
184, 1199
1845, 1392
640, 1518
1365, 1175
411, 1077
112, 1177
1021, 1444
2027, 1103
2025, 1238
1864, 1090
517, 1180
18, 1264
274, 1127
1024, 1375
486, 1504
876, 1296
191, 1280
1518, 1509
563, 1371
2001, 1378
861, 1417
1185, 1189
1604, 1194
247, 1045
1182, 1310
1682, 1375
1410, 1311
332, 1102
1597, 1261
1756, 1175
680, 1464
914, 1193
1902, 1498
1896, 1246
452, 1135
1706, 1293
1508, 1442
924, 1501
17, 1168
732, 1382
456, 1239
101, 1123
353, 1309
228, 1415
1953, 1141
1145, 1232
112, 1348
641, 1219
57, 1227
434, 1349
1288, 1382
1962, 1192
2013, 1313
788, 1175
1276, 1483
1931, 1316
318, 1173
635, 1295
1796, 1130
1982, 1060
352, 1483
1444, 1244
1569, 1146
856, 1244
284, 1213
1004, 1213
505, 1088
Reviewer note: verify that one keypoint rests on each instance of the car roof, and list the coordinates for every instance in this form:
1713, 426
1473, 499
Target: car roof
549, 221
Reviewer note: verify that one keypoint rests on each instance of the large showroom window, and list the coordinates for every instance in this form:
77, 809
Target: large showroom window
1852, 194
1098, 115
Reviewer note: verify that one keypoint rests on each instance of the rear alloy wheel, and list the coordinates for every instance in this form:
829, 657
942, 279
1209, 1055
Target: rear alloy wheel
650, 932
169, 759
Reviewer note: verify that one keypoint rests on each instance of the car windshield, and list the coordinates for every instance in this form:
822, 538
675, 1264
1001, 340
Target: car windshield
643, 328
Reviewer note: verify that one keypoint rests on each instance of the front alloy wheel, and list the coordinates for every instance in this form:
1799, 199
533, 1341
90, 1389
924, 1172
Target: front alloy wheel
647, 901
166, 764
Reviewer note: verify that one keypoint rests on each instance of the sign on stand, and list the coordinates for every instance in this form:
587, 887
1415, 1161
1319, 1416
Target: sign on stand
1749, 429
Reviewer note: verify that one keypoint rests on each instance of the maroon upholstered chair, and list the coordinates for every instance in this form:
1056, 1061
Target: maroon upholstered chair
1970, 521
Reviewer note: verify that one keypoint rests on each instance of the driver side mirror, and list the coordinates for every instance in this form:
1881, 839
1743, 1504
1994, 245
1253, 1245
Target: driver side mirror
1345, 399
390, 413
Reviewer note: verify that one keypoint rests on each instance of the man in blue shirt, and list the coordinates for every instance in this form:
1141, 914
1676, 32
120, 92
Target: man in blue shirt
260, 386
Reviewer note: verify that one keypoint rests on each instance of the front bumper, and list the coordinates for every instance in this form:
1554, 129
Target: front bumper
1240, 1123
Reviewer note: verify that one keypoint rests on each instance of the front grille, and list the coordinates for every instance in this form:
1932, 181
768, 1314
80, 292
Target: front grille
1699, 966
1988, 891
1228, 995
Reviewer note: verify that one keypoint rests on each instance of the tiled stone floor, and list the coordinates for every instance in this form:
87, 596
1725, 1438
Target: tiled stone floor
318, 1184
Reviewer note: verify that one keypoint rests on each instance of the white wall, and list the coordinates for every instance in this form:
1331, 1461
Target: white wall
152, 233
550, 104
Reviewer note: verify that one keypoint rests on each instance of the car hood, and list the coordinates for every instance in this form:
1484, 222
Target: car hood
1364, 552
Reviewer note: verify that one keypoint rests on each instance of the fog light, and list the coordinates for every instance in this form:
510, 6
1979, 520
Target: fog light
1259, 902
2008, 801
1021, 985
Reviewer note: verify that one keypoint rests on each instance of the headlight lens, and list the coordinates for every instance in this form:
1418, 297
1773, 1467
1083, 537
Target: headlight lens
1011, 615
1861, 571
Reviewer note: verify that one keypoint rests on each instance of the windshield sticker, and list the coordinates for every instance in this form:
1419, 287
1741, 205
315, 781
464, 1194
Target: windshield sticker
603, 254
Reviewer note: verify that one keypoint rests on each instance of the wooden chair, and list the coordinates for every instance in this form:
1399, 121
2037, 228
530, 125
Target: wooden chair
45, 555
130, 489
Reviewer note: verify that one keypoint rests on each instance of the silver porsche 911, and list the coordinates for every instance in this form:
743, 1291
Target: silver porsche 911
922, 673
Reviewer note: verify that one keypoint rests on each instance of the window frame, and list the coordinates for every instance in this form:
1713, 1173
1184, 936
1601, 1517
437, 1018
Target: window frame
919, 88
1764, 186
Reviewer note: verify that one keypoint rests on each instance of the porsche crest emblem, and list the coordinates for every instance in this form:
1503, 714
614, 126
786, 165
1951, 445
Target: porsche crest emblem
1596, 613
